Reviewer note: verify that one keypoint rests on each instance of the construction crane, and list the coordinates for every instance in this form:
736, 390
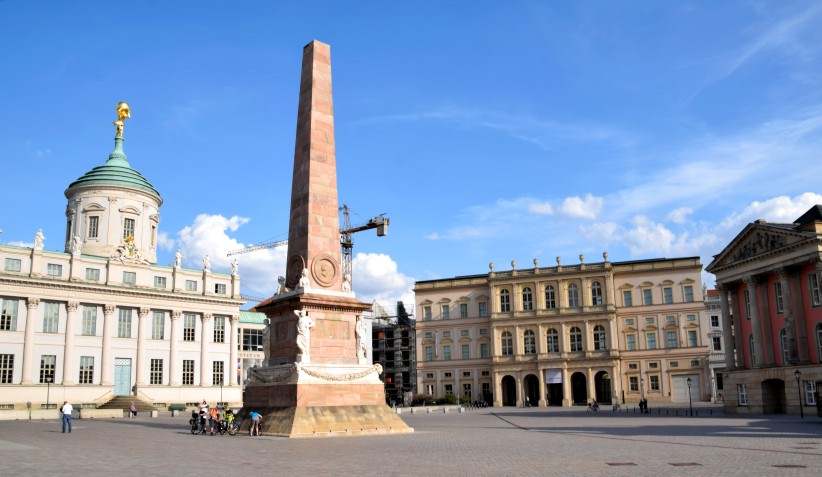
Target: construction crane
257, 246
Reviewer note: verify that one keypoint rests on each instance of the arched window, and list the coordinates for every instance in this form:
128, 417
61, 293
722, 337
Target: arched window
783, 342
576, 339
819, 341
507, 343
751, 350
553, 341
504, 301
527, 299
596, 293
529, 339
599, 338
573, 296
550, 297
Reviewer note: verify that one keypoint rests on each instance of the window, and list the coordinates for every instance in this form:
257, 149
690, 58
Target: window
630, 342
463, 310
504, 301
6, 368
673, 364
54, 270
650, 320
783, 344
653, 365
429, 335
47, 365
671, 339
816, 294
715, 321
449, 390
647, 297
464, 351
466, 390
692, 339
633, 382
576, 339
629, 322
485, 374
129, 278
694, 363
89, 320
8, 314
153, 235
446, 352
51, 316
810, 391
747, 296
742, 394
191, 285
550, 297
93, 226
653, 381
688, 291
483, 331
426, 313
124, 323
752, 350
483, 308
553, 341
219, 329
668, 295
596, 293
429, 353
599, 338
484, 351
720, 384
156, 371
93, 274
429, 375
819, 341
159, 282
527, 299
529, 341
188, 372
573, 296
691, 317
650, 340
219, 289
217, 374
627, 298
780, 305
128, 228
445, 311
464, 333
507, 343
466, 374
252, 340
86, 369
633, 366
158, 325
189, 326
670, 319
13, 264
446, 334
717, 343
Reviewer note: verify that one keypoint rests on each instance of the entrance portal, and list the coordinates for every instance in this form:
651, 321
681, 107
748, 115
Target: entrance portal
531, 390
579, 389
509, 391
602, 384
555, 394
773, 396
122, 376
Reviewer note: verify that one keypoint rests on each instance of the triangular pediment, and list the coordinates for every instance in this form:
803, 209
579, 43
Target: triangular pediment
756, 240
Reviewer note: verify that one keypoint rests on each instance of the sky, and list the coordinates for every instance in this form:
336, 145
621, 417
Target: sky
486, 131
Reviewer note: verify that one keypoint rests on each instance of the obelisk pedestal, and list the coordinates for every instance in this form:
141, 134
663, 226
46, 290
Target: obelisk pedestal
317, 380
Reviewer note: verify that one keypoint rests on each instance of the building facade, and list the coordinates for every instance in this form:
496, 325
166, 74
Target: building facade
769, 280
566, 334
393, 346
101, 318
716, 342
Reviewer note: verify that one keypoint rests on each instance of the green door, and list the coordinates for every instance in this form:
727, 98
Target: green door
122, 376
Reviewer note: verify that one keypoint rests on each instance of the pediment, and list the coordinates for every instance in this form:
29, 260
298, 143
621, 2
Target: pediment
626, 286
93, 207
757, 240
130, 210
463, 299
426, 302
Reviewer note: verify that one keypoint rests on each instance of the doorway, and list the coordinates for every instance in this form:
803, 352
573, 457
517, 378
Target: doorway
122, 376
579, 389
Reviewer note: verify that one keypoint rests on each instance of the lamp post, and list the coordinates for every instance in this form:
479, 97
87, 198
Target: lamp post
690, 401
798, 375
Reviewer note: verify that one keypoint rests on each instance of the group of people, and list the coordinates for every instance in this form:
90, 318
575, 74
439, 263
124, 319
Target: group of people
593, 405
643, 406
212, 419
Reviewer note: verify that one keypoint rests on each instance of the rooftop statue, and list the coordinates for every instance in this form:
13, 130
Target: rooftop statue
123, 112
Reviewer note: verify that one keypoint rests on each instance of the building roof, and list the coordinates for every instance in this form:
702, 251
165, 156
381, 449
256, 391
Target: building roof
813, 214
254, 317
115, 172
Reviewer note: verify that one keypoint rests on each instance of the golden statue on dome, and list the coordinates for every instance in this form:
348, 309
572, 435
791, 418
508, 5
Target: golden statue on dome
123, 112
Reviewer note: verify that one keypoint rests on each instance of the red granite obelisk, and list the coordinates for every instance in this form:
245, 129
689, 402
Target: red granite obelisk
317, 380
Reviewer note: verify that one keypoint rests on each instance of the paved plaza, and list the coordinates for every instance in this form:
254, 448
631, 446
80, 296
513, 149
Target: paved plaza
482, 442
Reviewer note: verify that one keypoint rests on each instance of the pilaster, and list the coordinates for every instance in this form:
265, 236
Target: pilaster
68, 348
32, 307
173, 375
141, 339
232, 368
107, 366
206, 319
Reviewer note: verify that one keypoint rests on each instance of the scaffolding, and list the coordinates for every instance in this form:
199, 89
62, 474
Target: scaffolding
394, 348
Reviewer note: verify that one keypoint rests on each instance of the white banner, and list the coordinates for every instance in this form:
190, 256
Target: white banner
553, 376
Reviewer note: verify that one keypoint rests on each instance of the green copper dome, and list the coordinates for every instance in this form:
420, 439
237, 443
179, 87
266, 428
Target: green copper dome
115, 172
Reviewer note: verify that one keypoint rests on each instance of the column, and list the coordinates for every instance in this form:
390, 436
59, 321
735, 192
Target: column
107, 366
497, 390
233, 379
792, 331
206, 319
566, 388
615, 379
727, 337
592, 392
755, 325
32, 306
541, 376
141, 341
563, 338
475, 387
173, 375
520, 400
68, 348
613, 336
585, 293
517, 347
587, 342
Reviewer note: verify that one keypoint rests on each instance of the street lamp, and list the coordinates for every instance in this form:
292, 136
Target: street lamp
798, 375
690, 401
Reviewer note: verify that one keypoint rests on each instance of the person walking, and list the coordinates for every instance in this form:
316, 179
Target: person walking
132, 410
66, 411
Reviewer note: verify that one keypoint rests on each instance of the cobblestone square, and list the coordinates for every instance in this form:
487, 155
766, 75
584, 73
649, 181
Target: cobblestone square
483, 442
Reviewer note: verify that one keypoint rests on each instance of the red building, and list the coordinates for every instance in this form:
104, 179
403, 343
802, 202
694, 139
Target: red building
772, 274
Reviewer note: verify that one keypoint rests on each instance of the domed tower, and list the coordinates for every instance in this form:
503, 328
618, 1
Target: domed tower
112, 210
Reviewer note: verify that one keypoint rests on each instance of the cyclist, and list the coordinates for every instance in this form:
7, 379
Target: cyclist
256, 417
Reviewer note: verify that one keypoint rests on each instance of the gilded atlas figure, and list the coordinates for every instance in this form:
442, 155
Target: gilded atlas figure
123, 112
304, 325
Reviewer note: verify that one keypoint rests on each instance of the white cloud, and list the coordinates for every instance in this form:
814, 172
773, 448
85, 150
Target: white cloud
680, 215
20, 243
648, 238
541, 208
433, 236
587, 207
782, 208
376, 277
164, 242
600, 232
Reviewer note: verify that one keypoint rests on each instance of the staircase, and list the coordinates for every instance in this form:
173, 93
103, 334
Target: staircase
124, 402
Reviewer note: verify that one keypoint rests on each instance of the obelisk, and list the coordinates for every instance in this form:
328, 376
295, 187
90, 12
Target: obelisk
317, 380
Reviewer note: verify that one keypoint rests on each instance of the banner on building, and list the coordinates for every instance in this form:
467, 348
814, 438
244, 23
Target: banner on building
553, 376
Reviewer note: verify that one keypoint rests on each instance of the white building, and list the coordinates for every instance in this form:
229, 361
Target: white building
102, 319
717, 359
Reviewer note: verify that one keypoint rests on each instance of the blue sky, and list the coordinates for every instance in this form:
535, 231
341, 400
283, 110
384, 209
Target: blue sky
485, 130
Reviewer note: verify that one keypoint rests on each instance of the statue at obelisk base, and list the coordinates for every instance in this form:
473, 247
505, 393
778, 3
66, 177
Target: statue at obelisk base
317, 380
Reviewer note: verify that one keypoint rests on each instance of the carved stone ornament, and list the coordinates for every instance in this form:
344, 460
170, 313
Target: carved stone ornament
324, 270
72, 305
109, 309
353, 376
128, 252
39, 238
757, 244
363, 338
304, 325
32, 302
